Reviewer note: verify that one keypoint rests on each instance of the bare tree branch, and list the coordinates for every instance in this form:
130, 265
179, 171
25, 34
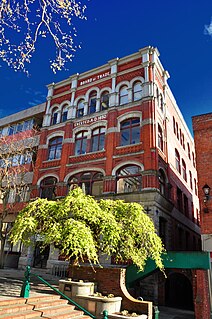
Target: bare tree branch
26, 21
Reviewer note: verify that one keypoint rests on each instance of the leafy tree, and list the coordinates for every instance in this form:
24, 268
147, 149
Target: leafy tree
15, 154
80, 226
22, 23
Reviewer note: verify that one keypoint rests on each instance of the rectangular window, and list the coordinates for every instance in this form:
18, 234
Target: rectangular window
185, 202
179, 199
12, 130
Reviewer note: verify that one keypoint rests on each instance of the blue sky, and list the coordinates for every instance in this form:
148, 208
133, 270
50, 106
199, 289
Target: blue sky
115, 28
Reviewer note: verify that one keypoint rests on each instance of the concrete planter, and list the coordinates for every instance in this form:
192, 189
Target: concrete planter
96, 305
82, 293
73, 288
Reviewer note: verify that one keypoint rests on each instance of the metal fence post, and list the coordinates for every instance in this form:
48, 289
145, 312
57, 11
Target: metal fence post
156, 311
26, 284
105, 314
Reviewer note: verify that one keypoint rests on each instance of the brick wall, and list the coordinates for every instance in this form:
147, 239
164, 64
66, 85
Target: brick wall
202, 126
111, 280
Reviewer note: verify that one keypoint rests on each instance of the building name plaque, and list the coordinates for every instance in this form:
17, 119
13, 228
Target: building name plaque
91, 120
95, 78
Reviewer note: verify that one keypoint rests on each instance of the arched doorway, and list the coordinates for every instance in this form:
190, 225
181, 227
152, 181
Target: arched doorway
178, 292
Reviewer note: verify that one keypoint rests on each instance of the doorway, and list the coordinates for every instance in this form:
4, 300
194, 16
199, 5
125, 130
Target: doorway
178, 292
41, 255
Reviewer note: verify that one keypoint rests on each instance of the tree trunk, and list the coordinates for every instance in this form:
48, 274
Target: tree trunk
2, 253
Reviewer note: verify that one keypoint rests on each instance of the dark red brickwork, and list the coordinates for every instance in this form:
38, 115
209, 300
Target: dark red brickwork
201, 294
111, 280
202, 126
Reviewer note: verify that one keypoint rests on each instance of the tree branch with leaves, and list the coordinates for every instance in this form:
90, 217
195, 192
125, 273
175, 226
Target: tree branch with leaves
82, 227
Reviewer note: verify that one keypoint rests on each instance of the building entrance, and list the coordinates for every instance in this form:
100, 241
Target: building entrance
41, 255
178, 292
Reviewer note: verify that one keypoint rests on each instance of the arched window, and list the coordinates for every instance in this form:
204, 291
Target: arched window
129, 179
162, 181
54, 116
64, 113
48, 187
55, 148
92, 103
137, 91
161, 102
177, 161
160, 138
123, 95
191, 180
80, 108
130, 131
104, 101
90, 182
81, 143
184, 170
189, 151
98, 139
174, 125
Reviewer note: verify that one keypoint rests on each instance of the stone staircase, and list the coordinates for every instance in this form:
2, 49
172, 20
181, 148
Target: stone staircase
42, 306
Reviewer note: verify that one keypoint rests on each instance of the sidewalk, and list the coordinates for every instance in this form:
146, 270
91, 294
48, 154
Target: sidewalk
11, 282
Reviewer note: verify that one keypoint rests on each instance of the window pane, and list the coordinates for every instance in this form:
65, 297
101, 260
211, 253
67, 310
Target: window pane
95, 143
137, 91
104, 101
84, 144
101, 142
64, 116
92, 106
77, 147
125, 137
135, 135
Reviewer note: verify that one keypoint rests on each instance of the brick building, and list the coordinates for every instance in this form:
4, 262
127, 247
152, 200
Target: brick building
117, 132
19, 136
202, 127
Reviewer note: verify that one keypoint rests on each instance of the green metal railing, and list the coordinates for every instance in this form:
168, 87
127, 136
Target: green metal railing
25, 291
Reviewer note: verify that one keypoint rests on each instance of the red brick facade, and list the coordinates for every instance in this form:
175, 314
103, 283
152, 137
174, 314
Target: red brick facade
202, 126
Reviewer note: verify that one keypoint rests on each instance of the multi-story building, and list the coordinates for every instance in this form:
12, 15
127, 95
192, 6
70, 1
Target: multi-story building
202, 127
117, 132
19, 139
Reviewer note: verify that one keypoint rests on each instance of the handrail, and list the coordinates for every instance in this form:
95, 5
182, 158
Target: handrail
26, 290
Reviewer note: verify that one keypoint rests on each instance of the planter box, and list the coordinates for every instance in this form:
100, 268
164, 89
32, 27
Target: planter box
73, 288
96, 305
82, 293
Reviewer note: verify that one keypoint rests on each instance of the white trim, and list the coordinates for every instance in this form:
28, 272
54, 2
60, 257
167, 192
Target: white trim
54, 134
117, 167
64, 103
123, 83
84, 169
105, 89
127, 116
76, 101
95, 89
45, 176
136, 79
54, 106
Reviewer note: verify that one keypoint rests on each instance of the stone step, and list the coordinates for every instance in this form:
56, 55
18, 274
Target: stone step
42, 306
48, 303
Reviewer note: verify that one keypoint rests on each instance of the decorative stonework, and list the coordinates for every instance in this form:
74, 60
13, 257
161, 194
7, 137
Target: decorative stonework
86, 157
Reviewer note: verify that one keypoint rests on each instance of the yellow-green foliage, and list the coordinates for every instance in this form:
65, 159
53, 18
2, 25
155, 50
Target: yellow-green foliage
80, 226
